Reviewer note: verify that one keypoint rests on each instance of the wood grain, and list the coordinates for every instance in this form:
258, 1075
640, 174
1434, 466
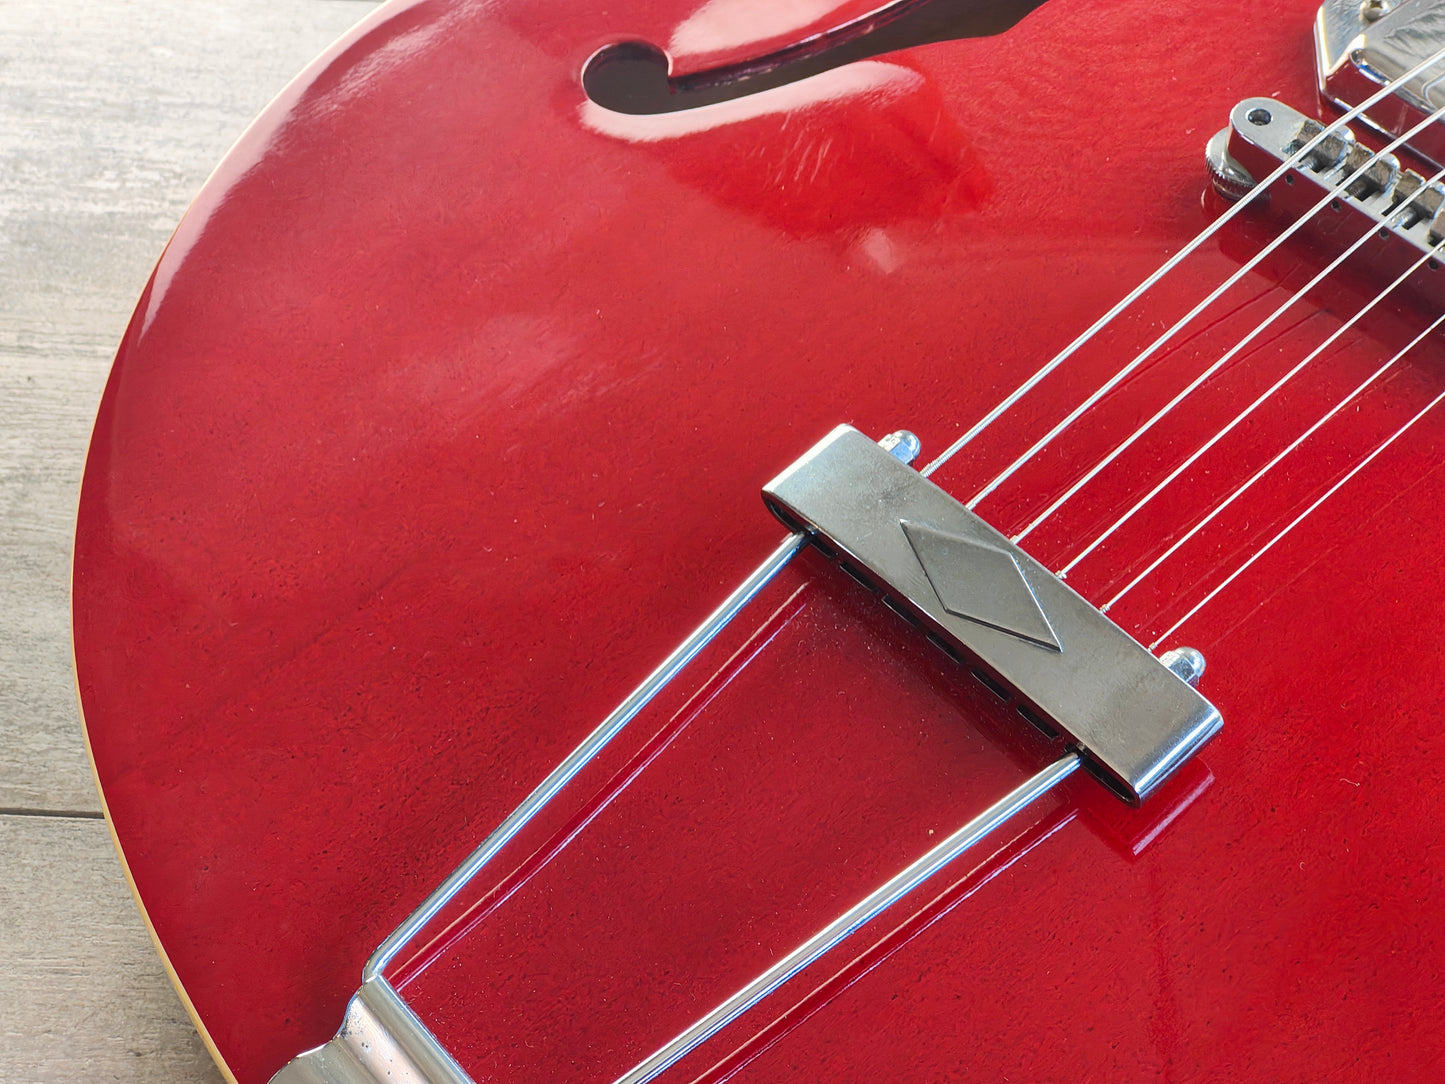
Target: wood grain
111, 116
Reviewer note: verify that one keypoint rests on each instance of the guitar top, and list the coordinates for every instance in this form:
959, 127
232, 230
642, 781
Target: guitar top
444, 418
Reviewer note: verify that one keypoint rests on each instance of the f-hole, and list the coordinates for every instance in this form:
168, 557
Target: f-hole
637, 77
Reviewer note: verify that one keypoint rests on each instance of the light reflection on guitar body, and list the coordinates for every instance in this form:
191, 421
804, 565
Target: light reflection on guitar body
444, 419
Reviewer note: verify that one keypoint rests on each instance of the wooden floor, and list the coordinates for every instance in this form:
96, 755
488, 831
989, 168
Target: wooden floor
112, 112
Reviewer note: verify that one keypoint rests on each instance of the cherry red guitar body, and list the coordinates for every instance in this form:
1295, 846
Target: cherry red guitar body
443, 419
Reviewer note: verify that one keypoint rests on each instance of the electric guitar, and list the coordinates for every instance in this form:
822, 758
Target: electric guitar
462, 713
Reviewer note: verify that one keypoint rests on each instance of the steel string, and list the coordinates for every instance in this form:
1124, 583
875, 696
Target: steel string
1229, 355
766, 983
1178, 258
1361, 465
1188, 318
1346, 401
373, 973
1240, 417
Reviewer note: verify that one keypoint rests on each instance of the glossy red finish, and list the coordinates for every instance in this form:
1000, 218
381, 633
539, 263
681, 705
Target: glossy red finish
444, 417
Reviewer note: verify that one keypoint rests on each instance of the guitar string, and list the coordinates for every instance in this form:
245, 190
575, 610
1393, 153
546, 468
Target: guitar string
708, 1025
642, 1073
1298, 519
1299, 366
1169, 265
1346, 401
1401, 212
1238, 418
558, 778
1189, 317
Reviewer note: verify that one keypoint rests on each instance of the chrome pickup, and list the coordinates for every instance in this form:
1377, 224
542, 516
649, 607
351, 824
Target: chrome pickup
1025, 634
1363, 45
1263, 133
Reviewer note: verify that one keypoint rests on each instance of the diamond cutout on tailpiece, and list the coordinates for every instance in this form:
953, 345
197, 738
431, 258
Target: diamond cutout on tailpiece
981, 583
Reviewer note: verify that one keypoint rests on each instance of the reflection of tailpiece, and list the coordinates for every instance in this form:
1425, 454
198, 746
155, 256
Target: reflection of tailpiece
637, 77
799, 1012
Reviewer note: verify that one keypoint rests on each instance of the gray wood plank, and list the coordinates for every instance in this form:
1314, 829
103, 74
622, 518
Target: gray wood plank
112, 113
85, 996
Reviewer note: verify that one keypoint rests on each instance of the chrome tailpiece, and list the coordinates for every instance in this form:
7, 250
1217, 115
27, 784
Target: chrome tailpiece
381, 1041
1126, 716
1024, 633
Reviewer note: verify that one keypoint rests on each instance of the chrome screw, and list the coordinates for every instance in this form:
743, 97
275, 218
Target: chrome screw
1186, 662
902, 446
